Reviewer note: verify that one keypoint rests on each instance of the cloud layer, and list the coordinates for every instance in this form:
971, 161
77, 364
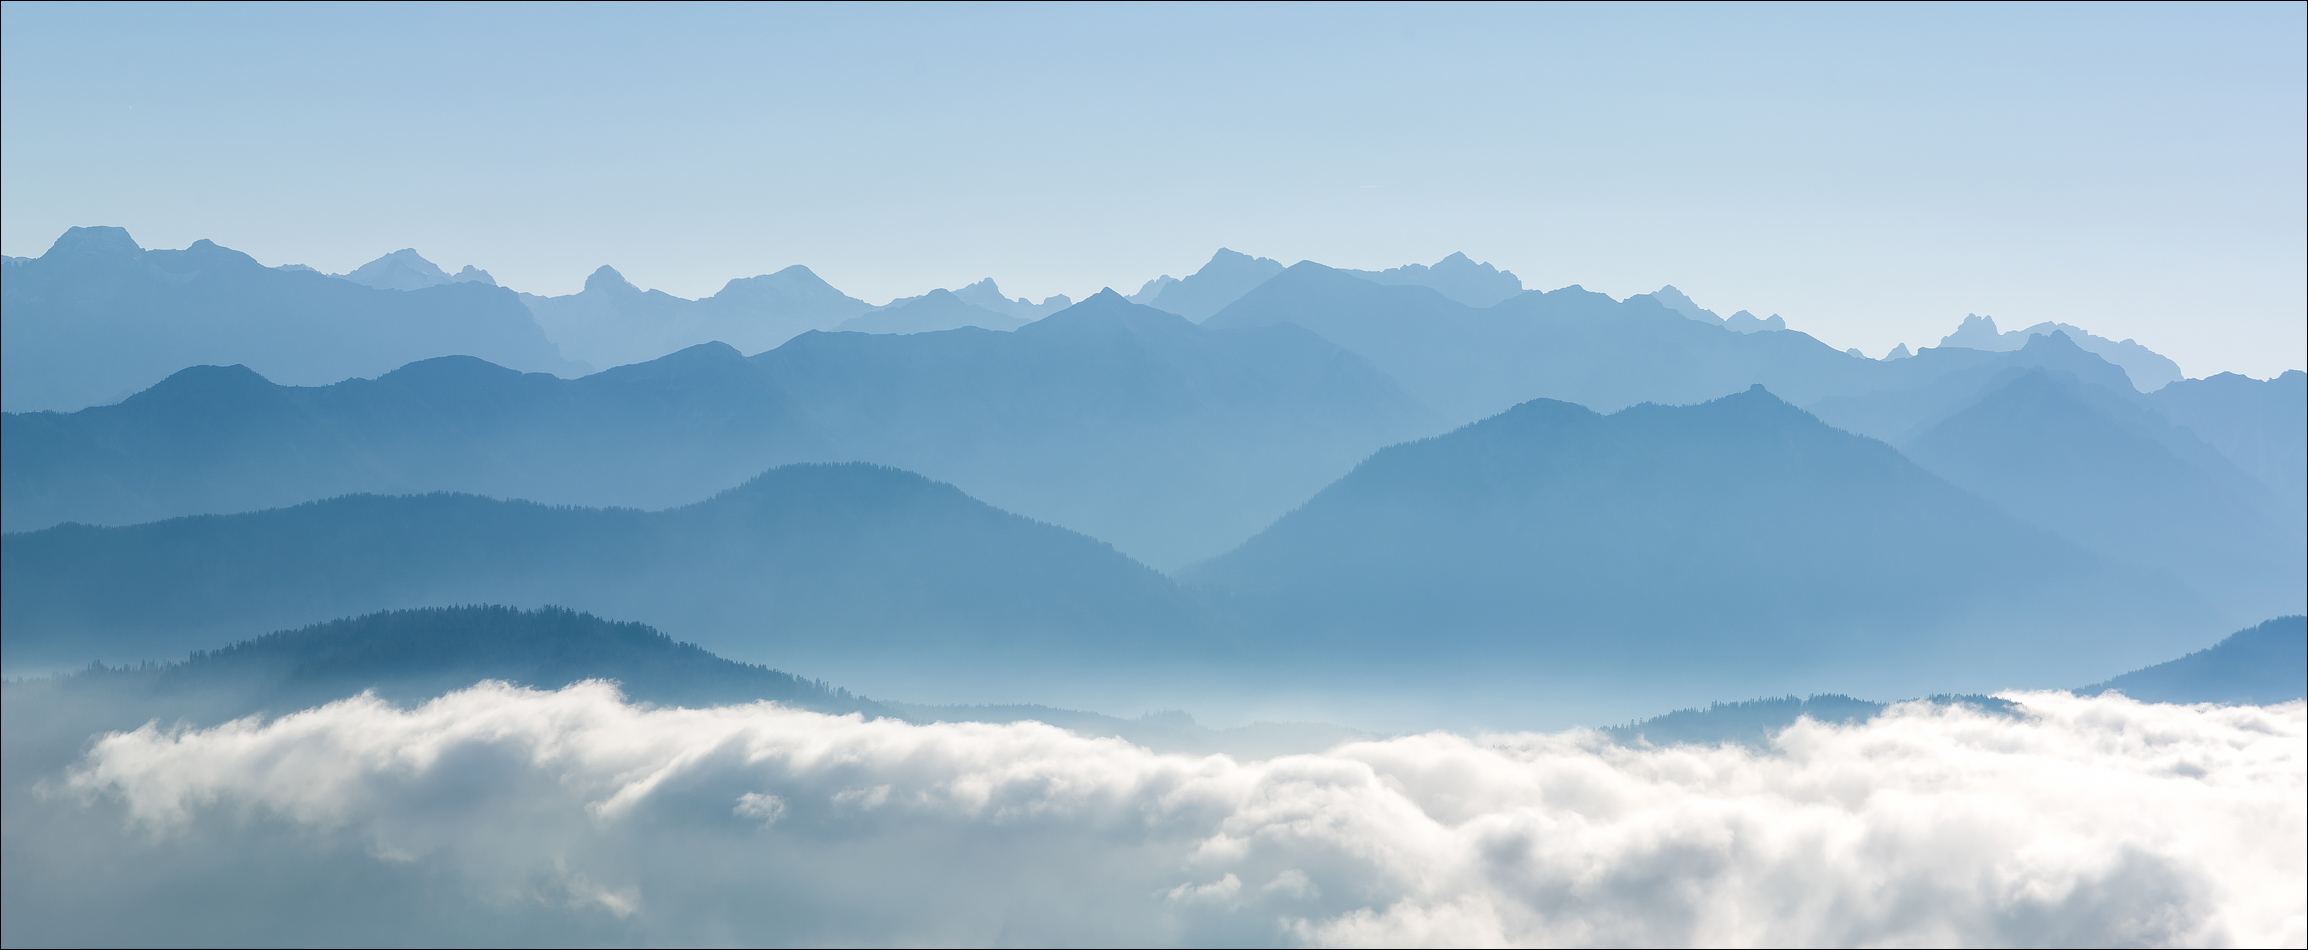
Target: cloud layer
2081, 822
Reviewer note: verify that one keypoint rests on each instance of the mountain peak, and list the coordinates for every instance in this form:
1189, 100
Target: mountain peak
94, 242
404, 269
1976, 333
1679, 302
608, 280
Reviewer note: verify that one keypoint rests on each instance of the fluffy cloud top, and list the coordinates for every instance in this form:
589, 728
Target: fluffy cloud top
2081, 822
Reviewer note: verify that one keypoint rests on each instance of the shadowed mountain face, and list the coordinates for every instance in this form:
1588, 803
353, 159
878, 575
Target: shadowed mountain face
1136, 426
2264, 665
809, 567
613, 323
2261, 425
98, 318
1228, 276
1737, 542
1567, 344
2094, 465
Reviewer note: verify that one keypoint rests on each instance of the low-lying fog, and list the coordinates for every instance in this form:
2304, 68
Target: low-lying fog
510, 815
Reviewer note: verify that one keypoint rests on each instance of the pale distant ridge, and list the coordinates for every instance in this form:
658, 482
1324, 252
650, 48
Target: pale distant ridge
613, 323
1741, 322
2150, 370
1457, 277
930, 312
1228, 276
405, 269
987, 295
98, 318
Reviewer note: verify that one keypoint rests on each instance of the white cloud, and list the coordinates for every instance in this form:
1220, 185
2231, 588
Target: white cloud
2082, 822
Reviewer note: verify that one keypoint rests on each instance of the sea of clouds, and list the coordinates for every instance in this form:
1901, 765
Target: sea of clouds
499, 812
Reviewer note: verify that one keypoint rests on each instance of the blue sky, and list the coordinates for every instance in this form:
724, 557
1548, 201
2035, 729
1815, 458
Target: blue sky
1871, 173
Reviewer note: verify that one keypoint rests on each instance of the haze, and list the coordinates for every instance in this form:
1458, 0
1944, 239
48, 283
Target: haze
1870, 173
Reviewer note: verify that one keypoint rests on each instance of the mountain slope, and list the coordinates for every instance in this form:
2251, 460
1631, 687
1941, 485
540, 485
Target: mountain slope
412, 655
2263, 665
1227, 276
1134, 425
1567, 344
223, 439
2095, 466
2146, 369
98, 318
1735, 544
936, 310
2261, 425
405, 269
988, 295
1457, 277
613, 323
820, 567
1904, 397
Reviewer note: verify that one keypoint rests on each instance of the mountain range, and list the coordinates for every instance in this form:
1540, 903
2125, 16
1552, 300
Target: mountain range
1569, 344
613, 323
930, 312
2148, 370
1170, 440
2094, 465
1221, 427
854, 569
98, 318
1737, 540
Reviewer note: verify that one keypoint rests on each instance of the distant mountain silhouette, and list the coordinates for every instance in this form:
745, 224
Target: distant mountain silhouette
98, 318
936, 310
1135, 426
408, 656
1741, 322
1457, 277
613, 323
1756, 722
1152, 289
1124, 422
1567, 344
1739, 544
2264, 665
1744, 322
223, 439
2147, 369
413, 655
405, 269
1900, 399
821, 567
1676, 300
1228, 276
2094, 465
988, 295
2261, 425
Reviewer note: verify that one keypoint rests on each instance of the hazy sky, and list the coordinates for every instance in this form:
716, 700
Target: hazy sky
1871, 173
